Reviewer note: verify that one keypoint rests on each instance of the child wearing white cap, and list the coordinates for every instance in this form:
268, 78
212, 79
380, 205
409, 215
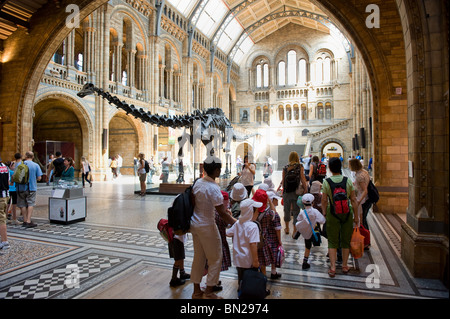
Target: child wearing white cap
238, 194
245, 234
304, 227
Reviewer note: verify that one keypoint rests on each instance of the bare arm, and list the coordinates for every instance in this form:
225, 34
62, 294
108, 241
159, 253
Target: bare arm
355, 207
226, 217
324, 204
303, 180
254, 252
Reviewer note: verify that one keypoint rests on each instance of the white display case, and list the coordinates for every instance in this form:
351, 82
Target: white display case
67, 203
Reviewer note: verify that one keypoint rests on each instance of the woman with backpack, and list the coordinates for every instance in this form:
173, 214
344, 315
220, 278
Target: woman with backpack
337, 191
293, 176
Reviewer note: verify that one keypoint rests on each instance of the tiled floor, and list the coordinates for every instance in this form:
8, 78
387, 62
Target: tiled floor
118, 246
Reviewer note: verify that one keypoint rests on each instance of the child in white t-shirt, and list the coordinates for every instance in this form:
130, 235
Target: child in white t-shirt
304, 227
245, 235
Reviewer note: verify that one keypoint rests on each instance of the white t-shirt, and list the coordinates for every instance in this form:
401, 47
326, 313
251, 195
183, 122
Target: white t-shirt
303, 225
243, 235
247, 176
85, 167
207, 196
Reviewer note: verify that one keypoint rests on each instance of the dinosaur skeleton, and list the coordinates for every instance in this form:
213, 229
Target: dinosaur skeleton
211, 125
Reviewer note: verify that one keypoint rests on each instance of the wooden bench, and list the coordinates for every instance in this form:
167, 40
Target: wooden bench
172, 188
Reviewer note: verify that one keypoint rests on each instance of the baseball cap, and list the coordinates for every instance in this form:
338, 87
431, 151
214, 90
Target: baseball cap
225, 195
261, 196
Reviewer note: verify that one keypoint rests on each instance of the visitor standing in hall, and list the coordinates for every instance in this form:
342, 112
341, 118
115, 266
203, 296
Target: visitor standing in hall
248, 175
26, 193
361, 184
142, 173
293, 176
339, 224
4, 198
85, 171
205, 235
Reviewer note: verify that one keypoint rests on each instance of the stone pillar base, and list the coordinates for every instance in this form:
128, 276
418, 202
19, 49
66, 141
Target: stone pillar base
392, 202
425, 255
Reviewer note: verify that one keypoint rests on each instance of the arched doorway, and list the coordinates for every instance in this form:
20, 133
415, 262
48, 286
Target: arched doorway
59, 125
332, 149
123, 141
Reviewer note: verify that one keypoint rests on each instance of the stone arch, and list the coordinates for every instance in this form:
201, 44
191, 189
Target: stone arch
337, 141
124, 127
68, 103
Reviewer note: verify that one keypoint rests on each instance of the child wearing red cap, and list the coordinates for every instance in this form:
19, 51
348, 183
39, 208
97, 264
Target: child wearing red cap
271, 229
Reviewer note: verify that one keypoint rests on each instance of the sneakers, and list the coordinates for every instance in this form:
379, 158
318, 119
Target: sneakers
305, 266
4, 245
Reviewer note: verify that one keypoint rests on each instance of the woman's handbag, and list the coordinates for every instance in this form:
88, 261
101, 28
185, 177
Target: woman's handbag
366, 233
357, 244
315, 238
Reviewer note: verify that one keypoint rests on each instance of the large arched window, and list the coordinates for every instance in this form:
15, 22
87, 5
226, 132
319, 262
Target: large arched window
296, 112
319, 70
262, 74
258, 114
302, 72
288, 113
266, 115
266, 75
327, 69
292, 67
258, 76
320, 111
281, 73
304, 112
281, 113
328, 111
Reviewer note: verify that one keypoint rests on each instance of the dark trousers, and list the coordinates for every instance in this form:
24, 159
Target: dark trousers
365, 207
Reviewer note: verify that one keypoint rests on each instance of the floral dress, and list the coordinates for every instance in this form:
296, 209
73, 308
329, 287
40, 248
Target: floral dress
270, 223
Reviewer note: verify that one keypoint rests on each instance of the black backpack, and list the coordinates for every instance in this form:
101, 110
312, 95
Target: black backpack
292, 179
179, 215
147, 166
374, 196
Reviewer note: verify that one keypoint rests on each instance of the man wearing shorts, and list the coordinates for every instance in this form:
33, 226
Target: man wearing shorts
4, 197
26, 193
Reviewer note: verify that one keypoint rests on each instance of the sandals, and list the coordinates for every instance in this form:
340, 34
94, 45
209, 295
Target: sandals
331, 273
345, 269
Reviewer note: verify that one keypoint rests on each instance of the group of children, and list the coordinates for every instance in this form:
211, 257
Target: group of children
256, 235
